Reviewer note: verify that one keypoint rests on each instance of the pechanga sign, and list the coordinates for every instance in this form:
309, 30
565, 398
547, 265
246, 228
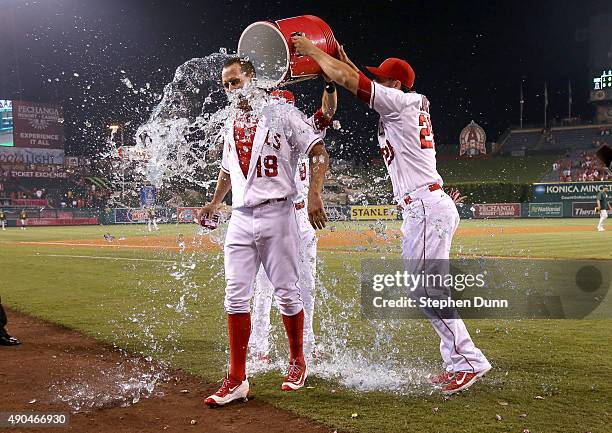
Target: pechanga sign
37, 125
497, 210
569, 191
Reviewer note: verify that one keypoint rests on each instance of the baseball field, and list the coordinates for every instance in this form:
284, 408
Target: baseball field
140, 318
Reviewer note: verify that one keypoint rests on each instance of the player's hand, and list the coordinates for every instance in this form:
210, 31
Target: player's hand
342, 56
456, 196
316, 211
303, 45
208, 209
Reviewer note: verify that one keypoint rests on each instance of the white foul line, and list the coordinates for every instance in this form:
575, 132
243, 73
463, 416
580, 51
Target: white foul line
103, 258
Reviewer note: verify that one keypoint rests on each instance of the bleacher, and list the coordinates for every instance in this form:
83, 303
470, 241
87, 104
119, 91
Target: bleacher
554, 140
575, 137
522, 140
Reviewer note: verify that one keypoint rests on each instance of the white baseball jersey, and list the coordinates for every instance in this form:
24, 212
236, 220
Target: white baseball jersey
276, 145
302, 179
406, 141
319, 124
405, 136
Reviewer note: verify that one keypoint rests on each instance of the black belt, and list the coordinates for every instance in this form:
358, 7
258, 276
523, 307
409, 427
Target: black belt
272, 201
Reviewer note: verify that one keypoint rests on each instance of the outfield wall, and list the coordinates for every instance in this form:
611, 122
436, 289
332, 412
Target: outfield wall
578, 209
584, 208
51, 217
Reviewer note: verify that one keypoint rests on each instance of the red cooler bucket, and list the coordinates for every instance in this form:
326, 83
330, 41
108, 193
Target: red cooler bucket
267, 44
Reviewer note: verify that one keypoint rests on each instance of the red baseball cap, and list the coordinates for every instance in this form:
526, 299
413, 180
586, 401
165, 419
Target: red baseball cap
396, 69
281, 94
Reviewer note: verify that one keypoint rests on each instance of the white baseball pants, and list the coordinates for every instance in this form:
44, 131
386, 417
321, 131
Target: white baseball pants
152, 224
258, 344
429, 224
264, 235
603, 215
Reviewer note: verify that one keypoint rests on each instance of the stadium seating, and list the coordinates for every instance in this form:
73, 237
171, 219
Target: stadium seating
554, 140
522, 140
574, 138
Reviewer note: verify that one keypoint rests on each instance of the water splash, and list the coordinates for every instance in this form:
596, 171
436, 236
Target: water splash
123, 384
182, 141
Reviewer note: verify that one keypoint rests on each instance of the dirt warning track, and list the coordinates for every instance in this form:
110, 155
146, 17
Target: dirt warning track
50, 354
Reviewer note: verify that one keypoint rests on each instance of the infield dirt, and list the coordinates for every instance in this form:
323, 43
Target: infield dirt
50, 354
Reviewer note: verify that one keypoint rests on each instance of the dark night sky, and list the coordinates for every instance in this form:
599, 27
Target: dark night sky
469, 57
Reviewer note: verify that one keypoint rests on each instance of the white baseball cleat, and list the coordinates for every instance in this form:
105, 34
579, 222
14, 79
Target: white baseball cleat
462, 380
296, 376
601, 230
230, 390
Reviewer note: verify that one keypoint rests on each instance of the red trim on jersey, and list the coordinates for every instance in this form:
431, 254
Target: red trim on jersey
365, 89
244, 134
321, 121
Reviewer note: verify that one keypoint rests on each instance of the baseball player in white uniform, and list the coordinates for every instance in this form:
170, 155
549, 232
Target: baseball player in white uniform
262, 302
260, 154
406, 141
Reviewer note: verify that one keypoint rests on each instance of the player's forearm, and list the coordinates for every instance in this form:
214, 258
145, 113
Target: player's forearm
337, 71
329, 103
224, 184
319, 163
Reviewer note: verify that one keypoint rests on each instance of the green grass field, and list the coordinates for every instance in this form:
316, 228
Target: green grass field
132, 298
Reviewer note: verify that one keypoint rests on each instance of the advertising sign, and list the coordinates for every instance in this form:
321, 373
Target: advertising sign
37, 126
497, 210
384, 212
566, 191
584, 209
545, 210
186, 214
148, 195
18, 155
57, 174
139, 215
6, 123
